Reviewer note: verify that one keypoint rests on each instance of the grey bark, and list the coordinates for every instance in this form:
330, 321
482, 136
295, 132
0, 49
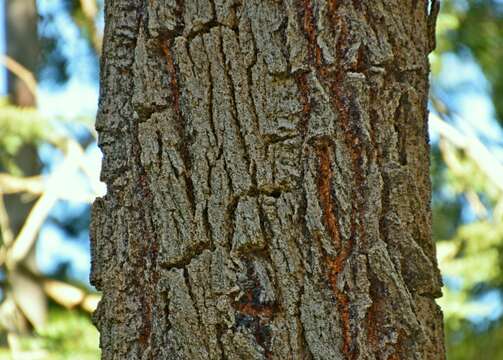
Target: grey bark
268, 181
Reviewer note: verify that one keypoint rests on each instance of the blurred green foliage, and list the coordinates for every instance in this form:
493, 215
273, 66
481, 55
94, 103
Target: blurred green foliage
69, 335
477, 26
481, 30
19, 126
25, 332
468, 197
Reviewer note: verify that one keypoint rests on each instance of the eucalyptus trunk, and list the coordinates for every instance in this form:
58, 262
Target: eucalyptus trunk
267, 164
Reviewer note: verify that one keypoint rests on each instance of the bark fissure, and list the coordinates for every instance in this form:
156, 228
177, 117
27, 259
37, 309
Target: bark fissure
335, 265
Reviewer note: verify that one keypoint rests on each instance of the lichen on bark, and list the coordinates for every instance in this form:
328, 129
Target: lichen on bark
268, 181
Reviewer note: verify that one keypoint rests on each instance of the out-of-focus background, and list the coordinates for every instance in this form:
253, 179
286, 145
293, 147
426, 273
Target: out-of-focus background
49, 175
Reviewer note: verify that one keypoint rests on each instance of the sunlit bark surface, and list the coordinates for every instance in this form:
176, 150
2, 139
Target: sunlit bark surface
268, 181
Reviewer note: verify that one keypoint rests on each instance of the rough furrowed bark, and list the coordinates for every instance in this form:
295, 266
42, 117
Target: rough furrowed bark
268, 181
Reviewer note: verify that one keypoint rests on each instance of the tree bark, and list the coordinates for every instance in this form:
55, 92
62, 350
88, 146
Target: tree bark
267, 165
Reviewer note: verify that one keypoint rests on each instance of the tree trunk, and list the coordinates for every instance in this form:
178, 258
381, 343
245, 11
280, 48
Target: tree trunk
268, 181
21, 20
22, 46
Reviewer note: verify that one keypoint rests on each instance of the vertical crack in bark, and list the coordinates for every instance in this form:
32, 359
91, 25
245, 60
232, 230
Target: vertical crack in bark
230, 216
302, 215
149, 247
305, 100
309, 23
399, 117
170, 67
210, 96
325, 170
175, 100
234, 113
353, 144
325, 191
314, 58
335, 265
149, 253
194, 303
